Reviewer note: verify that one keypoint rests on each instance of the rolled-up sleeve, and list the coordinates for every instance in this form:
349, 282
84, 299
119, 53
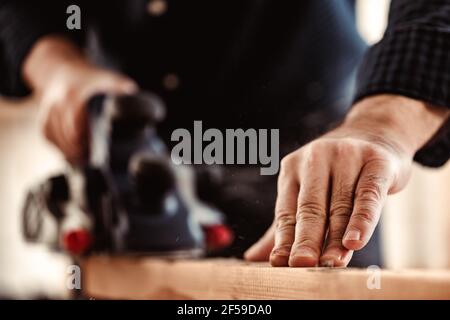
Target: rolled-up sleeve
413, 59
22, 23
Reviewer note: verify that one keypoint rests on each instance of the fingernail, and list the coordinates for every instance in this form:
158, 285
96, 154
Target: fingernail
353, 235
304, 252
303, 257
327, 264
281, 251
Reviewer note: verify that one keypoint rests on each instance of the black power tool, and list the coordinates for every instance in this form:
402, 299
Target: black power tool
130, 197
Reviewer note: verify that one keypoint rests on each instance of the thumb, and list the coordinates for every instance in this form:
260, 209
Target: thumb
109, 83
260, 251
119, 83
126, 86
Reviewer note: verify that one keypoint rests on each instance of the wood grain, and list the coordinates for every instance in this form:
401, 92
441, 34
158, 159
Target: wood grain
145, 278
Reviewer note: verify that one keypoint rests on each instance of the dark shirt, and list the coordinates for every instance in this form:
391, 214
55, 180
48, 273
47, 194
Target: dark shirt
263, 64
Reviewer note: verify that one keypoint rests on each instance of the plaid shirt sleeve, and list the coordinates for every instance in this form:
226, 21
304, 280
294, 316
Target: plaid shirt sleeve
413, 59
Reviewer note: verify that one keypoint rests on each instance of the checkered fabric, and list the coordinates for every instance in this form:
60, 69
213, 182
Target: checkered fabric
413, 59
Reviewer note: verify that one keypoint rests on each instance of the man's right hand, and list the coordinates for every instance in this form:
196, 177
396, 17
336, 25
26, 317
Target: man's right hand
64, 80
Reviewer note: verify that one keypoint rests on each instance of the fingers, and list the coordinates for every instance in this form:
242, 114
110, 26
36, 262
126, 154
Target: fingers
316, 195
105, 81
311, 215
345, 177
260, 251
285, 209
335, 187
371, 192
126, 86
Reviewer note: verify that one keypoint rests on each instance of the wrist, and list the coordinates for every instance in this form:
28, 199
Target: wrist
404, 123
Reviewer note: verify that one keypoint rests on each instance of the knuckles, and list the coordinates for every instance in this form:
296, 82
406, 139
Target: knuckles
284, 220
366, 216
310, 212
288, 163
316, 152
371, 190
341, 208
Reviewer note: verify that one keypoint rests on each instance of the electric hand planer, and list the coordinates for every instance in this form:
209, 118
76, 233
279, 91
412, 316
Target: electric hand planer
129, 198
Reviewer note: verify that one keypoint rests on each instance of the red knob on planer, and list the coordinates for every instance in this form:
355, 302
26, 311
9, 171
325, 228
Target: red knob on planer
77, 241
218, 236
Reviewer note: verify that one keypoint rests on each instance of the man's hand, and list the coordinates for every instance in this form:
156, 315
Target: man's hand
64, 81
331, 191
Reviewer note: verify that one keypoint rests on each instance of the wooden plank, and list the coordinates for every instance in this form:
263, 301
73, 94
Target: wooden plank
146, 278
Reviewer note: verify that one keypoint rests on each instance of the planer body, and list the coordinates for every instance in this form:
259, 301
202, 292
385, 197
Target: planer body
129, 198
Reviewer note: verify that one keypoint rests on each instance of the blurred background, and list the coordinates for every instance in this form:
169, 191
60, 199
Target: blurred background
415, 225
